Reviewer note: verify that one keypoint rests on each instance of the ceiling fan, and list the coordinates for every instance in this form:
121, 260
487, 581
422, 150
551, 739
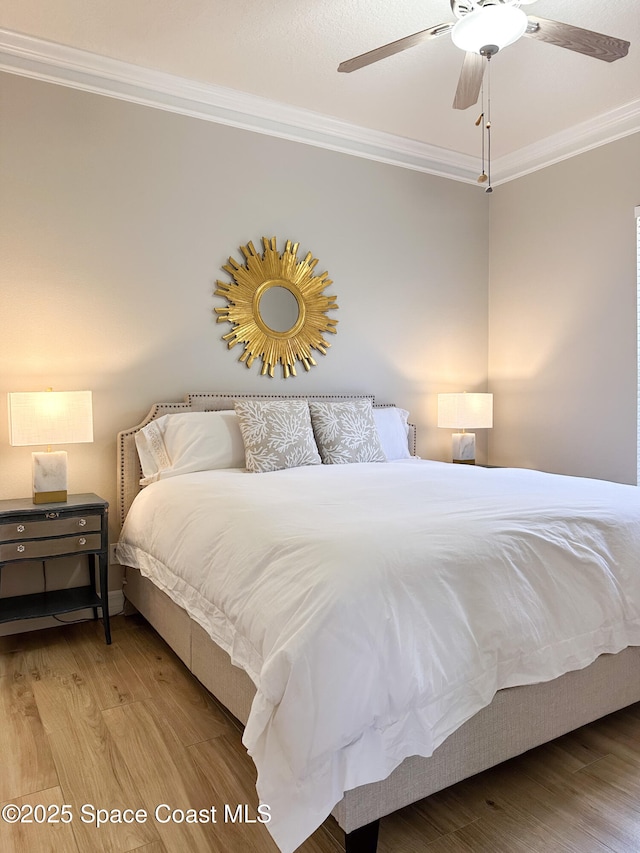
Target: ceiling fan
486, 26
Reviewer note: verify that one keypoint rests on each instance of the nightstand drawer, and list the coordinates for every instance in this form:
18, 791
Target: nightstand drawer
49, 527
39, 549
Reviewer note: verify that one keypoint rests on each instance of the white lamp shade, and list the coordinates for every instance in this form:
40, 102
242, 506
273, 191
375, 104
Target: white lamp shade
497, 25
465, 411
50, 417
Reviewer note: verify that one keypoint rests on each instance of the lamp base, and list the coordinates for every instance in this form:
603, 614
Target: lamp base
49, 477
464, 447
50, 497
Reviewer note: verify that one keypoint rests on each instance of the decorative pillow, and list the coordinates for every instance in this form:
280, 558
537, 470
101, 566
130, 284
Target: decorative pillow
346, 432
277, 434
189, 441
393, 431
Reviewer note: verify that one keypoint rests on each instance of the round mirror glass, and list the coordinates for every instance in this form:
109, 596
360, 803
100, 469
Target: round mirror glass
278, 309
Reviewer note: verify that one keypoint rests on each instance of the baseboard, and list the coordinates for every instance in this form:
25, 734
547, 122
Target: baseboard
116, 605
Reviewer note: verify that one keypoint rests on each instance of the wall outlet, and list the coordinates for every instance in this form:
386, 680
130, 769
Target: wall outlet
113, 560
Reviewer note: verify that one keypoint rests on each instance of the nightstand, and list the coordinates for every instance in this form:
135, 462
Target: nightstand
46, 531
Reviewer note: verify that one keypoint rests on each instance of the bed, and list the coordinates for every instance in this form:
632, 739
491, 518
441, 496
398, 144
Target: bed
317, 616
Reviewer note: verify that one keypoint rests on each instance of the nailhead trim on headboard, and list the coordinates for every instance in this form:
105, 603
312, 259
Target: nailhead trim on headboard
129, 472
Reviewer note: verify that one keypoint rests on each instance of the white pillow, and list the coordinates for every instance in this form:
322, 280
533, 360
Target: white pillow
189, 441
393, 430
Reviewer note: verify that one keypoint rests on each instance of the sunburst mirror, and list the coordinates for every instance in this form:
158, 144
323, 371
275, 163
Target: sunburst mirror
277, 307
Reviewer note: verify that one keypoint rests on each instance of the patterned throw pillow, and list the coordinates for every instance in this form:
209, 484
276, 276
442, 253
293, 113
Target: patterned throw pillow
277, 434
346, 432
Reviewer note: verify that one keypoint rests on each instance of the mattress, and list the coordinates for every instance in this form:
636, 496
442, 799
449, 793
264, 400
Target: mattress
377, 607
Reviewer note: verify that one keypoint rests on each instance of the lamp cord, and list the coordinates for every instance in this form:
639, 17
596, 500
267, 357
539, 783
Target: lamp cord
68, 621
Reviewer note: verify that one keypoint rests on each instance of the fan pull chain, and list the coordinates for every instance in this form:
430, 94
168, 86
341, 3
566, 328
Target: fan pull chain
480, 121
487, 51
489, 189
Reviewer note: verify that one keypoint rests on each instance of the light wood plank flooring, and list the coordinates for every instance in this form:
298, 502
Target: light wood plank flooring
126, 726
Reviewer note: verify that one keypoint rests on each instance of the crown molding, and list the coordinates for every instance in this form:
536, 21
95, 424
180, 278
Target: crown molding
32, 57
79, 69
607, 127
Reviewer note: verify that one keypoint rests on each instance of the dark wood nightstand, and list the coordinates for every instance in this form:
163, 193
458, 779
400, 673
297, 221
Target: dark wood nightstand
46, 531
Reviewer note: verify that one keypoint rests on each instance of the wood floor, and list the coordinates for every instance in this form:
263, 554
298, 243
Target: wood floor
127, 727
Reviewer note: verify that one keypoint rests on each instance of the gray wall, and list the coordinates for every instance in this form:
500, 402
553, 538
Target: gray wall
117, 218
562, 316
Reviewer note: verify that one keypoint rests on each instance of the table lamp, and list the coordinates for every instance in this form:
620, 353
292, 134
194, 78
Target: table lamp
46, 418
462, 412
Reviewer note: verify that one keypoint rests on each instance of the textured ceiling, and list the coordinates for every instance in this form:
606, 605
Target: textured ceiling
289, 50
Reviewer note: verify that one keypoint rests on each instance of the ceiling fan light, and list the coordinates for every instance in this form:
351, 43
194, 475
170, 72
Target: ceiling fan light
489, 25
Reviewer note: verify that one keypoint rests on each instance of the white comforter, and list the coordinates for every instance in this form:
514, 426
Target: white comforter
377, 607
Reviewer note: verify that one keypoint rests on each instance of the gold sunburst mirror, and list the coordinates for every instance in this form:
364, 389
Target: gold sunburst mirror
277, 307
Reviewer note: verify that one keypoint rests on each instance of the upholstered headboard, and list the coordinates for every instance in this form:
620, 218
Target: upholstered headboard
129, 471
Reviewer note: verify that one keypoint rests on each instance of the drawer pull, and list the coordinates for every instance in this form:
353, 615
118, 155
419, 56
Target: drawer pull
20, 528
52, 515
20, 549
82, 540
82, 522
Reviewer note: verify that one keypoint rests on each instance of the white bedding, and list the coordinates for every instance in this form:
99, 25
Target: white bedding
377, 607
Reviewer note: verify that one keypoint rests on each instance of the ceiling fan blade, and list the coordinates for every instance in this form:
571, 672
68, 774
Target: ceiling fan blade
575, 38
470, 81
394, 47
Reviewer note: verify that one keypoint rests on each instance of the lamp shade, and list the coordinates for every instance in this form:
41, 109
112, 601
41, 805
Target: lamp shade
50, 417
465, 411
489, 25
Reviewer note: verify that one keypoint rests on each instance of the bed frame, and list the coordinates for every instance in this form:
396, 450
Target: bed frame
518, 718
